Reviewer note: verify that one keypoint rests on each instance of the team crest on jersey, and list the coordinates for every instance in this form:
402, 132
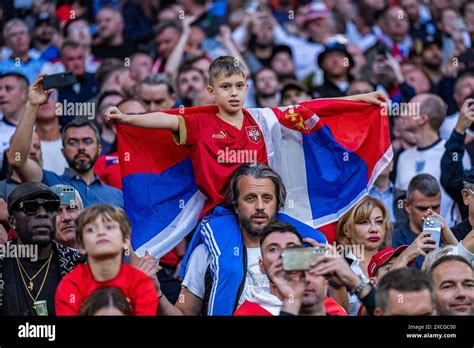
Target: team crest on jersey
254, 134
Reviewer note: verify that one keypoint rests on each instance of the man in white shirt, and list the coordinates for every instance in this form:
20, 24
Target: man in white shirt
463, 88
47, 127
425, 156
256, 192
13, 94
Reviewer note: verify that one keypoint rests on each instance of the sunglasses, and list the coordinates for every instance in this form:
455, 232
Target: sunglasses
32, 207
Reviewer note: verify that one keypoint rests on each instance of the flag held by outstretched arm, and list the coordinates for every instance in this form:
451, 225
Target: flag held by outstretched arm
328, 152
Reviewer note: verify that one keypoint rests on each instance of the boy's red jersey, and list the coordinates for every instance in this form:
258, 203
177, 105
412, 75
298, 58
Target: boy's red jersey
218, 149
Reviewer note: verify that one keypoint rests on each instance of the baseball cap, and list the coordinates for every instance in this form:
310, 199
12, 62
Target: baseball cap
382, 257
28, 190
335, 47
292, 84
281, 48
315, 10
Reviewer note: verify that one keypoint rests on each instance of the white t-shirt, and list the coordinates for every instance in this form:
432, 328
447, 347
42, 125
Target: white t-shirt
415, 161
53, 158
6, 132
448, 125
194, 279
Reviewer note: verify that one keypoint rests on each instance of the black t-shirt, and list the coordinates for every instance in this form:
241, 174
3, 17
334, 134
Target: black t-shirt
25, 303
105, 51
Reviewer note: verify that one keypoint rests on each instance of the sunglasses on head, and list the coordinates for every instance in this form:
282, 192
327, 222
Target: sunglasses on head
32, 207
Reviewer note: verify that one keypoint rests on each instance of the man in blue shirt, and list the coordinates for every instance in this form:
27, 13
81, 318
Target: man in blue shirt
82, 147
423, 193
21, 59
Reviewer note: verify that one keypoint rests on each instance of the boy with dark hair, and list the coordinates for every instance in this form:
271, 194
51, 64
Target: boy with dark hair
231, 128
409, 284
103, 233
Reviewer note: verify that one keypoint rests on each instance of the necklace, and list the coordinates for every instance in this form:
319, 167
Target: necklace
29, 288
30, 284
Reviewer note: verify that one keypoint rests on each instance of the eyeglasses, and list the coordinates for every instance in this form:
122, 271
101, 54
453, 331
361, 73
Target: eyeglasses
32, 207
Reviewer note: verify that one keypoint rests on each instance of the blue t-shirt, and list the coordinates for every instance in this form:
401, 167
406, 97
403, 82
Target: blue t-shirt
95, 193
30, 70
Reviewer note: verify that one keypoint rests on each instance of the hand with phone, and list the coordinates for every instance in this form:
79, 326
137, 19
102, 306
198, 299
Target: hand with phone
447, 235
37, 95
466, 115
290, 286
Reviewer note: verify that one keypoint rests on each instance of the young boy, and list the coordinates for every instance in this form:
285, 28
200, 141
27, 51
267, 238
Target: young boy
230, 129
103, 232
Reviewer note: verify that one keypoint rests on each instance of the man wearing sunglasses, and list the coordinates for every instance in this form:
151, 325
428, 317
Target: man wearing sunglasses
81, 141
32, 275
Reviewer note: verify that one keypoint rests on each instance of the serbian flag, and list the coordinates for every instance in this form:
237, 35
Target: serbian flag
329, 155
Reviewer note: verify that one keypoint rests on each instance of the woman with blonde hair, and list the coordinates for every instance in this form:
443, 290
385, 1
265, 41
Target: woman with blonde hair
361, 232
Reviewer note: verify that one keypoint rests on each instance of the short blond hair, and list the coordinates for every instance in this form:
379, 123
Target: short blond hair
359, 213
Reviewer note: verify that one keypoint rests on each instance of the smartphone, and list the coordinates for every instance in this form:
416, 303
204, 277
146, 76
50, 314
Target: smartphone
66, 195
432, 225
60, 80
471, 96
300, 259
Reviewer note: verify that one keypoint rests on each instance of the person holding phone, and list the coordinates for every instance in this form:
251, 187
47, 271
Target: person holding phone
301, 292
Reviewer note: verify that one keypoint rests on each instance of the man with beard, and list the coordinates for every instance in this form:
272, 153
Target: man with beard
81, 150
33, 277
45, 36
267, 88
190, 81
110, 42
255, 194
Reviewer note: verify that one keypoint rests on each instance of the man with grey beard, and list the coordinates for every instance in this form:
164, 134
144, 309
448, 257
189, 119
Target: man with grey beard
81, 142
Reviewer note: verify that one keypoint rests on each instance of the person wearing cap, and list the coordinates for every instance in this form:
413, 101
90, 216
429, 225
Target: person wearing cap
429, 50
22, 59
281, 62
293, 93
45, 36
336, 63
391, 258
81, 150
32, 207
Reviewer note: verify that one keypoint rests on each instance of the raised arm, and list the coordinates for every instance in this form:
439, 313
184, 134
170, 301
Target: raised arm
25, 167
151, 120
176, 56
377, 98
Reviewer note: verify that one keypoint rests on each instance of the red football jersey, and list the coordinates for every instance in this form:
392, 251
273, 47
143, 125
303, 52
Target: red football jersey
136, 286
219, 148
